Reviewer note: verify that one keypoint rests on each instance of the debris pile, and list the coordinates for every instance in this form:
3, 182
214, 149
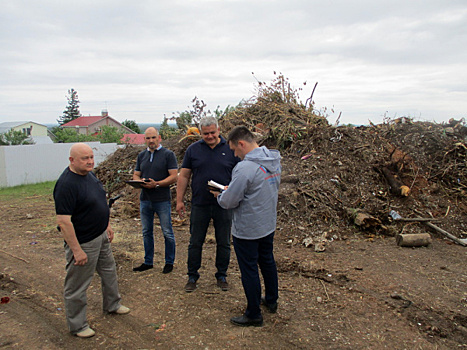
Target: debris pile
276, 115
340, 181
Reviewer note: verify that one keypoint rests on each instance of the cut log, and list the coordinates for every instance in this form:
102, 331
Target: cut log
413, 240
397, 187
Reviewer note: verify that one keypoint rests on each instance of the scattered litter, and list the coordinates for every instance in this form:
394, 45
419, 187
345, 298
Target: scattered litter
395, 215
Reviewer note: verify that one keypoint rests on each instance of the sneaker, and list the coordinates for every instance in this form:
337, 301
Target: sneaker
122, 310
272, 308
244, 321
222, 284
87, 333
168, 268
190, 286
142, 267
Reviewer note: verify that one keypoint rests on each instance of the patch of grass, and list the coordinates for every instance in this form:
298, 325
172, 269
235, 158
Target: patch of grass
27, 191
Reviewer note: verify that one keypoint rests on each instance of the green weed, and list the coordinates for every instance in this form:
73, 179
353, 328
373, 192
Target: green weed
33, 190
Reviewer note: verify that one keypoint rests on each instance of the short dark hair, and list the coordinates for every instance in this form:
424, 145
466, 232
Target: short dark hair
240, 133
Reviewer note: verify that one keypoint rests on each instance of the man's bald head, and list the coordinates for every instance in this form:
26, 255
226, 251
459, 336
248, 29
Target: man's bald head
81, 159
79, 148
152, 138
151, 129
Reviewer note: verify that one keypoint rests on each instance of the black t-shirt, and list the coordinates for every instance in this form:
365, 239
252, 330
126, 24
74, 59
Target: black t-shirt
163, 160
206, 164
83, 197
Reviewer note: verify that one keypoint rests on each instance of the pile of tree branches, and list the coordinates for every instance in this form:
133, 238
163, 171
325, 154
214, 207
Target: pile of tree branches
276, 114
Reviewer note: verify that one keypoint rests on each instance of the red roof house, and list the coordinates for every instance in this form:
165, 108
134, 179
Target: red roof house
92, 124
133, 139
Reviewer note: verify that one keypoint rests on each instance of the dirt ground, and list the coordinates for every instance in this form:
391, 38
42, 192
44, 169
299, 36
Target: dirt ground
343, 284
359, 293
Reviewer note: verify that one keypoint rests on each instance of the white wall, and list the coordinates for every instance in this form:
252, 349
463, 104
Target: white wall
29, 164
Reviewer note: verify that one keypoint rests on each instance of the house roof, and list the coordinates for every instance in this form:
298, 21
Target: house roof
7, 126
84, 121
133, 139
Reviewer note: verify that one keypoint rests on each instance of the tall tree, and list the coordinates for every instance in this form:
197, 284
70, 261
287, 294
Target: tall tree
165, 130
72, 109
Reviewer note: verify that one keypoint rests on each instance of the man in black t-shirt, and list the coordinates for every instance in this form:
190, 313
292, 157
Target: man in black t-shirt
157, 166
83, 219
207, 159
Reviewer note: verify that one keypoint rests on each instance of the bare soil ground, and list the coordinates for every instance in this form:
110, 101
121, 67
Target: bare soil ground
358, 294
359, 290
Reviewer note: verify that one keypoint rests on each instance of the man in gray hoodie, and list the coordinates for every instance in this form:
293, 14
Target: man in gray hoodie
252, 194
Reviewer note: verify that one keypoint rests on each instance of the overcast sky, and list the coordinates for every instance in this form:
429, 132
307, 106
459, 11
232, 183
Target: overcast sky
142, 60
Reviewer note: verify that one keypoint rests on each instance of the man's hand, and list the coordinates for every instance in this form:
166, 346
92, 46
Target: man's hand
110, 234
182, 184
80, 257
215, 193
180, 209
150, 184
68, 231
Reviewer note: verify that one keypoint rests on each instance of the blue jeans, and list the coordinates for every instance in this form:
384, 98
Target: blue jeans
199, 222
163, 211
250, 254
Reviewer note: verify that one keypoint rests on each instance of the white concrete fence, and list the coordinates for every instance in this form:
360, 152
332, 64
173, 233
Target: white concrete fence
30, 164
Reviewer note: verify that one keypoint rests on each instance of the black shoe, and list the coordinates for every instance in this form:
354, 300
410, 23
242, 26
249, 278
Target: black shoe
222, 284
168, 268
244, 321
190, 286
142, 267
272, 308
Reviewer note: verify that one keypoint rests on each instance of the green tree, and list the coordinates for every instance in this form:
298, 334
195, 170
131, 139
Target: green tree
14, 137
110, 134
131, 124
183, 120
72, 109
166, 130
67, 135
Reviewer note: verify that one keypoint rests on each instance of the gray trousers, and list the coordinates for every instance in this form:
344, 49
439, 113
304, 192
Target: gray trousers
78, 279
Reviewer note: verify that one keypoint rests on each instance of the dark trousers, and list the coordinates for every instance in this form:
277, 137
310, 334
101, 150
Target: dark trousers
199, 222
250, 254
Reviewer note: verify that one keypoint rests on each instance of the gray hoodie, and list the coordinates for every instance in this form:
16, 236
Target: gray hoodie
252, 194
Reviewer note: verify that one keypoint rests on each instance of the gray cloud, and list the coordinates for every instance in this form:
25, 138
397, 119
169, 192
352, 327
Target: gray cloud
149, 59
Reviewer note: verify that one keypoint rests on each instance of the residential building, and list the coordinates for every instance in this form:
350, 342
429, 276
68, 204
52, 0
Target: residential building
133, 139
26, 127
37, 133
92, 125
